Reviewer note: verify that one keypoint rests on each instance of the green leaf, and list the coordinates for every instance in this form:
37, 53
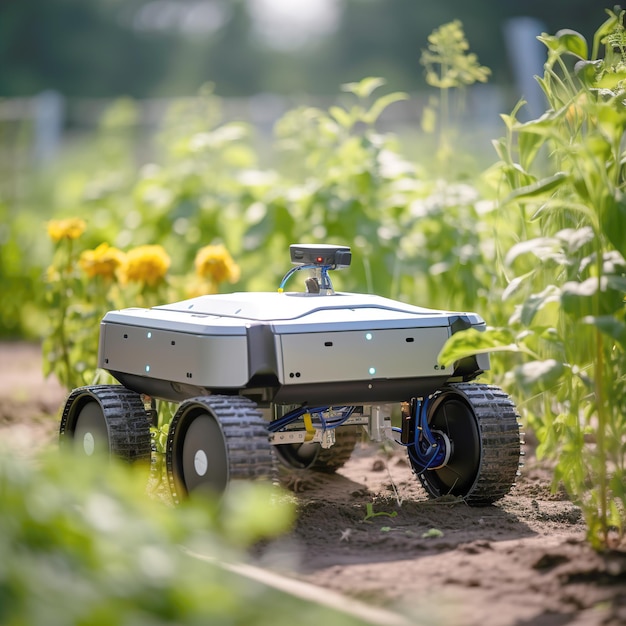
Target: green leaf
572, 42
538, 375
566, 41
534, 303
614, 21
590, 297
575, 238
432, 533
587, 72
610, 80
514, 173
364, 88
369, 512
514, 285
550, 41
381, 104
544, 125
529, 145
610, 326
471, 341
613, 222
509, 120
341, 116
543, 188
611, 118
617, 283
543, 248
559, 205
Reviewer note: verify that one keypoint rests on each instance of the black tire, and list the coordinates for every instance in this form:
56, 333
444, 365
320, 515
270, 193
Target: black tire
106, 419
311, 456
213, 440
482, 425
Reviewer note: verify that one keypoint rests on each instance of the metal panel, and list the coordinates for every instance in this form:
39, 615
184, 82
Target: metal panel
360, 355
211, 361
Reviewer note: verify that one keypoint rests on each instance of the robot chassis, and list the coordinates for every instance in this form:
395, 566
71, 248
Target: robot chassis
296, 378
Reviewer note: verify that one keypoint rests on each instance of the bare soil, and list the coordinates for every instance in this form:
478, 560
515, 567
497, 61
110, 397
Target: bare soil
522, 562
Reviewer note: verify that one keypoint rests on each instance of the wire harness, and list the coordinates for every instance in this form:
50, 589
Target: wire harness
429, 449
324, 423
323, 278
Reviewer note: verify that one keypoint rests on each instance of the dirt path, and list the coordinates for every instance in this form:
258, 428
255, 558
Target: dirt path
522, 562
28, 400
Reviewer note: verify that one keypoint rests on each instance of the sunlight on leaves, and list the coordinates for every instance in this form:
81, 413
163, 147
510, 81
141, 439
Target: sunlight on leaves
471, 341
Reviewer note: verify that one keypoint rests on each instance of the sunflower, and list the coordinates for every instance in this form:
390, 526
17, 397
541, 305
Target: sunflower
103, 261
215, 263
70, 228
146, 264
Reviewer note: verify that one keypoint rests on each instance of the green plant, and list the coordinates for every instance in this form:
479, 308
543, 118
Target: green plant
83, 284
448, 66
564, 175
82, 543
341, 182
370, 513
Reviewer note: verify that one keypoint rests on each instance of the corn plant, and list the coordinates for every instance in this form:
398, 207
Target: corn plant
563, 179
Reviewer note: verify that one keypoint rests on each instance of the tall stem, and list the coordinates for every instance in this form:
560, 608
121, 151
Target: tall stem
65, 354
600, 439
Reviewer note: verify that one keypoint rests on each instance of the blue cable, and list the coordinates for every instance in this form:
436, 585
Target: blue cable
292, 416
325, 278
428, 449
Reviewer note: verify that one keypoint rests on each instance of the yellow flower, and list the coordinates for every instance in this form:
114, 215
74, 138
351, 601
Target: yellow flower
215, 263
103, 261
146, 264
70, 228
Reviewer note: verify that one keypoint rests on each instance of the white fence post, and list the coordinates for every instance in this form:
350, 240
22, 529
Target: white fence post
527, 56
49, 116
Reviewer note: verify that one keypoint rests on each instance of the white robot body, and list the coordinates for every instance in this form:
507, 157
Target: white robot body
282, 347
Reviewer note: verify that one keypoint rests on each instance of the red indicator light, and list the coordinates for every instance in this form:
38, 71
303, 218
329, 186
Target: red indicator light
319, 259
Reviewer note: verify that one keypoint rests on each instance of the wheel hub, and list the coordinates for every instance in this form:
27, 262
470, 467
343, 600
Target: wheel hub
200, 462
89, 443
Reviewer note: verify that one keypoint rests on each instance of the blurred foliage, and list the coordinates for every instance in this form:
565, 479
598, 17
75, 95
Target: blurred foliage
337, 180
82, 543
139, 48
535, 244
417, 235
449, 66
562, 180
82, 284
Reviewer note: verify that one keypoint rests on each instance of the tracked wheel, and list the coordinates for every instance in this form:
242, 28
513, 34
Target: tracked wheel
311, 456
106, 419
481, 424
213, 440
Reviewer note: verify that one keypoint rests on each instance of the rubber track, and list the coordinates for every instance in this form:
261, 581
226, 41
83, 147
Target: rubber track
127, 420
498, 424
250, 455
